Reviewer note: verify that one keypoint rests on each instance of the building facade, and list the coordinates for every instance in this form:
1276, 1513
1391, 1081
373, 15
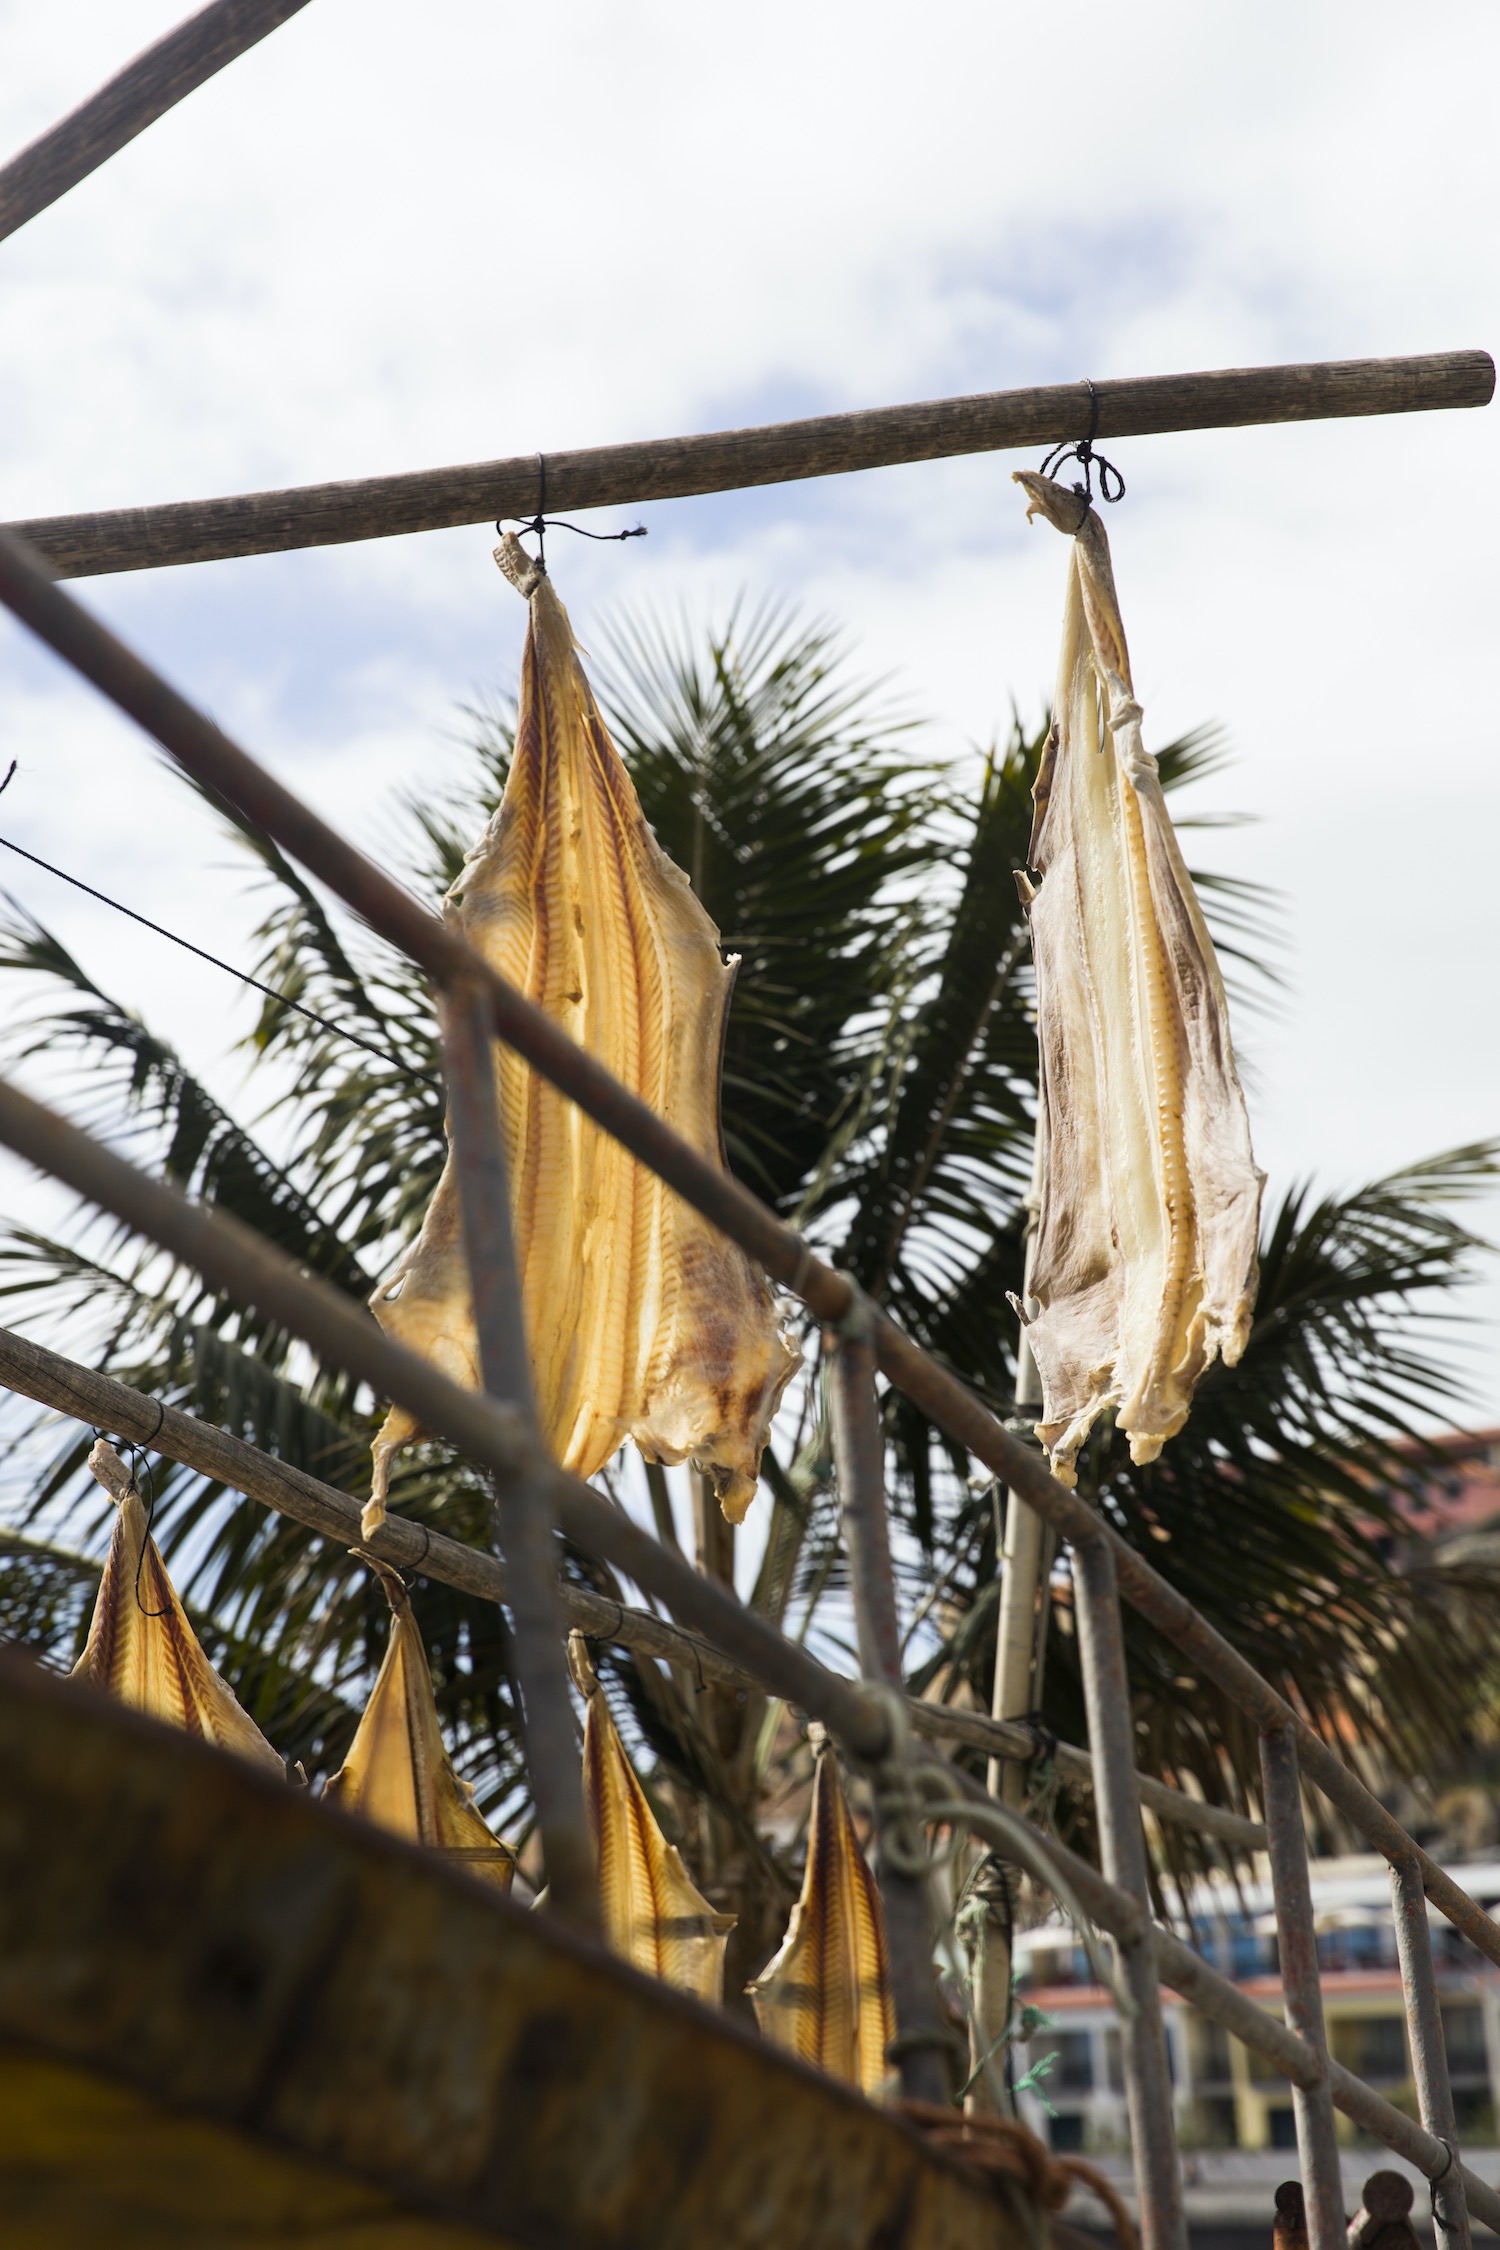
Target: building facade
1227, 2097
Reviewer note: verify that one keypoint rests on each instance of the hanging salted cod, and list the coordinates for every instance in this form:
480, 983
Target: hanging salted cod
1144, 1262
826, 1997
398, 1772
653, 1914
141, 1647
643, 1321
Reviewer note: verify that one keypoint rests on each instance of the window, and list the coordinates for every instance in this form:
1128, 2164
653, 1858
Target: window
1066, 2132
1283, 2124
1212, 2066
1073, 2072
1379, 2046
1463, 2036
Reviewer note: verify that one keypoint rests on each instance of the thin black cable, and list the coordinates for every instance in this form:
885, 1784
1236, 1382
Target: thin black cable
1088, 460
427, 1077
541, 523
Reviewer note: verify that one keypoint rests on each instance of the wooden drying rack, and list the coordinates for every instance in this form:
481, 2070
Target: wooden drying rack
496, 1429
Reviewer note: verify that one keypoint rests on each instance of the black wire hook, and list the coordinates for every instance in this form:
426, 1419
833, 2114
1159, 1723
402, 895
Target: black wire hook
1088, 460
541, 522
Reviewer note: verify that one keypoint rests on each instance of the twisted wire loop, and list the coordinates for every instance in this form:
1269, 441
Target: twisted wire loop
1008, 2155
1082, 451
541, 523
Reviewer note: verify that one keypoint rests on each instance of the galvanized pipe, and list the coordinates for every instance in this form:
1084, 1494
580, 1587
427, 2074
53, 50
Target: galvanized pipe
921, 2043
210, 757
1148, 2080
1429, 2054
525, 1518
1317, 2141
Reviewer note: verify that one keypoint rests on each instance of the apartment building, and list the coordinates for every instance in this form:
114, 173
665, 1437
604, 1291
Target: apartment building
1227, 2097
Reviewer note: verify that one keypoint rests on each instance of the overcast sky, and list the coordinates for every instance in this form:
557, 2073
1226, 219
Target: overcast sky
395, 237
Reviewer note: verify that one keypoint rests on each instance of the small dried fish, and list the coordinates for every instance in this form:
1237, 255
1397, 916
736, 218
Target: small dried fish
653, 1916
141, 1647
398, 1772
1145, 1256
643, 1321
826, 1997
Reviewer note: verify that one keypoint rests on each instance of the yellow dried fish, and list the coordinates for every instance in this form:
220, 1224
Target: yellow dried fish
1145, 1256
652, 1914
398, 1773
826, 1997
643, 1321
141, 1647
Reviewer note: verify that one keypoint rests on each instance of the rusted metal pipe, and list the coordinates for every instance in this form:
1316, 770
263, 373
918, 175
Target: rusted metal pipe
251, 1272
1148, 2078
921, 2042
37, 1372
134, 98
200, 748
1317, 2141
525, 1519
1429, 2055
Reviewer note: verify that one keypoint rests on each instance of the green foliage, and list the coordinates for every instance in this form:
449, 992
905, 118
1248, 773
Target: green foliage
879, 1086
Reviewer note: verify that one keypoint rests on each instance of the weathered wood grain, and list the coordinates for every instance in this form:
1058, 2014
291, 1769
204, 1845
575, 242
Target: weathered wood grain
316, 1994
319, 515
134, 98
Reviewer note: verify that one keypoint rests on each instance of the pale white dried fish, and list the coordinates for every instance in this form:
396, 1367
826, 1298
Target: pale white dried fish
826, 1997
1145, 1256
643, 1321
141, 1647
653, 1914
398, 1772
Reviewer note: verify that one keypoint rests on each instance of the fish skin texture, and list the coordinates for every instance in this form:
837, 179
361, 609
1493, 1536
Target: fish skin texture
398, 1772
826, 1997
141, 1647
653, 1915
1145, 1257
643, 1321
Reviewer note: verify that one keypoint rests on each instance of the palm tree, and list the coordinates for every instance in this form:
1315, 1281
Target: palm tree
879, 1082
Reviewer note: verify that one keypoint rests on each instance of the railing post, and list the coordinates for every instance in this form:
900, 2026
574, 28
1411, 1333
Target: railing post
1429, 2056
1317, 2141
1143, 2040
524, 1518
922, 2041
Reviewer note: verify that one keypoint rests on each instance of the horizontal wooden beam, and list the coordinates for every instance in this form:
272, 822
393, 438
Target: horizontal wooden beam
130, 101
604, 476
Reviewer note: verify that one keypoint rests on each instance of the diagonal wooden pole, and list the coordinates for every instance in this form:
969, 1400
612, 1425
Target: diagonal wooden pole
134, 98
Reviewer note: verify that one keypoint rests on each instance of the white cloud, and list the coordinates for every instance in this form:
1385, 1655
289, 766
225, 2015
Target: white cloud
388, 239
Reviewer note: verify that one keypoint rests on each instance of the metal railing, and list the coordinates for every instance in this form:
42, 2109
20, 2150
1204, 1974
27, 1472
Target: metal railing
534, 1498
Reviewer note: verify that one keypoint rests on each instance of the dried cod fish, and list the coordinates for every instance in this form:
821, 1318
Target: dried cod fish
1145, 1255
643, 1321
826, 1997
141, 1647
398, 1773
652, 1914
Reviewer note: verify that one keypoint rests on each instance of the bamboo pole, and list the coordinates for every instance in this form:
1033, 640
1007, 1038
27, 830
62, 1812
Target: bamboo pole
607, 476
98, 1401
134, 98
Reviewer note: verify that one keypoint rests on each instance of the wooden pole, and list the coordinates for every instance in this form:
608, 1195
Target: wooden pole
607, 476
133, 99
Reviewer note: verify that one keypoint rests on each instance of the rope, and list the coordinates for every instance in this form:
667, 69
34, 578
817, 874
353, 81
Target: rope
1088, 460
541, 523
1001, 2149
